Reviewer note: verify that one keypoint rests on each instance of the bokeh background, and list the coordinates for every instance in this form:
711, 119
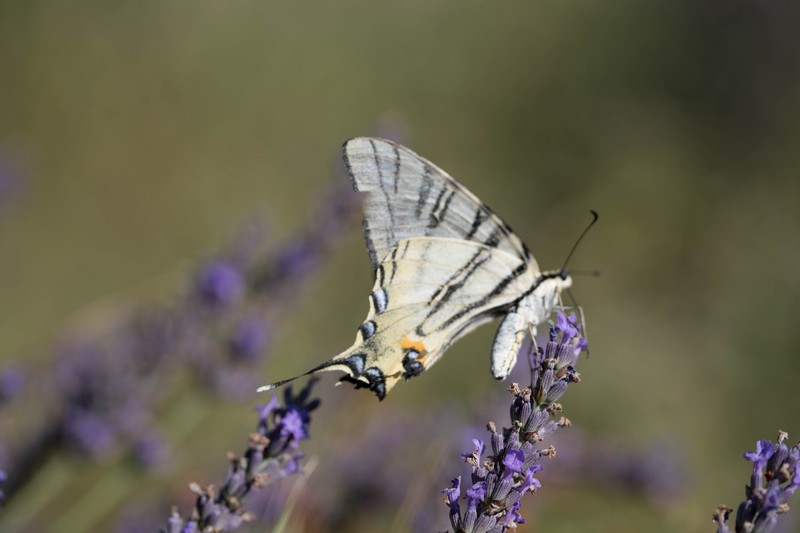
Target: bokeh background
141, 140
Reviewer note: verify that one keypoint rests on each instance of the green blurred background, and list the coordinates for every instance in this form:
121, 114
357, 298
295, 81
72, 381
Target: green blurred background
144, 132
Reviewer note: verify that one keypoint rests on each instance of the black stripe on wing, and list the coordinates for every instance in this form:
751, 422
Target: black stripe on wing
409, 197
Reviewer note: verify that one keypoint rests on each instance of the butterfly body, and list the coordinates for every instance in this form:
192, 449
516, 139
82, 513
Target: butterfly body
444, 264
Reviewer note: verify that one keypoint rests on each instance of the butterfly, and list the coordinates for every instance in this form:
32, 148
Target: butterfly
444, 263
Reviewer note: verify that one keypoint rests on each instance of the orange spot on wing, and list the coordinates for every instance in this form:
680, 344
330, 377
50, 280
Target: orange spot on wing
419, 346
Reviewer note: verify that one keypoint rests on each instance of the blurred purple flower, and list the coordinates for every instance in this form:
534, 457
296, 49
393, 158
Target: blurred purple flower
88, 433
138, 517
272, 454
372, 473
656, 471
266, 410
107, 387
12, 382
293, 426
289, 423
106, 384
297, 259
250, 339
150, 450
232, 306
775, 478
220, 283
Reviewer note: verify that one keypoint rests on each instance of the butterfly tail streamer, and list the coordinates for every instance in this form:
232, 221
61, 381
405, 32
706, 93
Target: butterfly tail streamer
326, 365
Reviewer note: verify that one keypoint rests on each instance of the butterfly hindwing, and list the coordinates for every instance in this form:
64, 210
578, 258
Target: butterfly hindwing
408, 196
426, 295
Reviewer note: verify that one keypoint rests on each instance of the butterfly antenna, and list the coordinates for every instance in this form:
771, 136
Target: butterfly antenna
585, 231
592, 273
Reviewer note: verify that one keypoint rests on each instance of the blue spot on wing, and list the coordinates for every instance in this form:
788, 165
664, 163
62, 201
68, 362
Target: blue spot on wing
380, 300
368, 329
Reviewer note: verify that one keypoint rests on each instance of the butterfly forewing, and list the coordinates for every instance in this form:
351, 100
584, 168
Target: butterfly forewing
409, 196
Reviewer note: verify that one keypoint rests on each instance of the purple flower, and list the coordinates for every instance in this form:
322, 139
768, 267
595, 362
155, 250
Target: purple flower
794, 484
101, 371
292, 464
530, 482
474, 457
567, 325
513, 517
220, 283
264, 411
775, 478
12, 381
476, 493
297, 259
292, 425
654, 471
89, 434
285, 426
513, 461
507, 475
764, 450
475, 496
249, 339
452, 494
451, 497
150, 450
271, 454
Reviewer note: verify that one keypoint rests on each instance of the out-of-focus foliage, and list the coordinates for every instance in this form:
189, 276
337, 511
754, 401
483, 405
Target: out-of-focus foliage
136, 136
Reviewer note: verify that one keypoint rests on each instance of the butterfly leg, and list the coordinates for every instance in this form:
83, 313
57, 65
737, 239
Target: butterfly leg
534, 344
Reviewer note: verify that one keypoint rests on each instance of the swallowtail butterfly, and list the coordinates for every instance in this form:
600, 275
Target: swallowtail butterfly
444, 263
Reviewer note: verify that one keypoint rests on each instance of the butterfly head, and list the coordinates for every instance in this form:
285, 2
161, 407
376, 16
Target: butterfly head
545, 295
563, 282
558, 280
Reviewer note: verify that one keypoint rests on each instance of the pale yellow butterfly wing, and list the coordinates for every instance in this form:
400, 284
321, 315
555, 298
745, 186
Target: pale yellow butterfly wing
426, 296
408, 196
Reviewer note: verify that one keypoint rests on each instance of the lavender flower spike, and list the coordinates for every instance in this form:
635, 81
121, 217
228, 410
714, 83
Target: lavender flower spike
272, 454
500, 480
775, 478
